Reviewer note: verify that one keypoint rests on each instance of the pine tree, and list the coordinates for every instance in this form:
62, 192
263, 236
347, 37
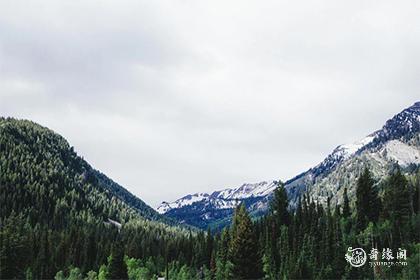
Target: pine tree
414, 188
279, 206
14, 251
268, 265
243, 250
209, 247
346, 204
397, 205
222, 258
367, 201
117, 268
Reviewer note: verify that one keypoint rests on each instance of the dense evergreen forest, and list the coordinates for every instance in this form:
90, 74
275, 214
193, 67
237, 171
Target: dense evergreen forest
61, 219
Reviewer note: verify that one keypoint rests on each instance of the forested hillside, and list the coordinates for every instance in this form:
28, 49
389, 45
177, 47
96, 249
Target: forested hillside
33, 156
57, 211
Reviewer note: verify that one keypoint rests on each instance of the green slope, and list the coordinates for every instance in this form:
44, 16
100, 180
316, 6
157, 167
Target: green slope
39, 161
56, 211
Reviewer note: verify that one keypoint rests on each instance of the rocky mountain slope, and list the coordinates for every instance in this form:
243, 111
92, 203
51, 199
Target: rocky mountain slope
398, 142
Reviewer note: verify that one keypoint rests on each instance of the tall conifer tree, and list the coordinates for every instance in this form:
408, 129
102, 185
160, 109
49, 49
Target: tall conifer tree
367, 201
117, 268
397, 205
244, 252
279, 206
346, 204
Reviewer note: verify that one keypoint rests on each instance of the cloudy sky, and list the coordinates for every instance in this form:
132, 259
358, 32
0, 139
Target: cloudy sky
174, 97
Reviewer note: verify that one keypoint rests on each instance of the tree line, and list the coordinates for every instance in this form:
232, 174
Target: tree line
307, 243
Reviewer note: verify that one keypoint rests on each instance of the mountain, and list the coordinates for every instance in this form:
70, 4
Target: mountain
203, 209
38, 156
397, 142
226, 198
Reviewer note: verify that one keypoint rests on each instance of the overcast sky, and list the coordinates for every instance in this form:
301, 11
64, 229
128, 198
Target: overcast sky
175, 97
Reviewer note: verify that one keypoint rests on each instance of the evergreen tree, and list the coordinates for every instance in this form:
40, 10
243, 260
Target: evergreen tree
279, 206
208, 247
397, 197
222, 259
367, 201
14, 248
397, 206
268, 265
244, 252
117, 268
346, 204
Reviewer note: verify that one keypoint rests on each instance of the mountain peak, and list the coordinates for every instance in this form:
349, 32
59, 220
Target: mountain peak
416, 105
405, 123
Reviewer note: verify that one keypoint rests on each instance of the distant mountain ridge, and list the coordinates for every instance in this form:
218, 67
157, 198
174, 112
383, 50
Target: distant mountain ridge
398, 141
202, 209
226, 198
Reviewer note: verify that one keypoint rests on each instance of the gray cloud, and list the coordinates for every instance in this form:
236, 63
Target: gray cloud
173, 97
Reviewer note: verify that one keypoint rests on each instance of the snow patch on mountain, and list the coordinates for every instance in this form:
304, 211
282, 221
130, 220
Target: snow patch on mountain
184, 201
344, 152
248, 190
351, 149
220, 203
224, 199
401, 152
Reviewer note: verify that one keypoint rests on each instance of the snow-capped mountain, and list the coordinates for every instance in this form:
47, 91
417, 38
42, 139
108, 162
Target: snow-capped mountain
183, 201
246, 191
397, 142
202, 208
224, 199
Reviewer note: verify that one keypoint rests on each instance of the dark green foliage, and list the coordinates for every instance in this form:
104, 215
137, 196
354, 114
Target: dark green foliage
313, 245
397, 198
367, 201
243, 249
117, 268
279, 206
346, 204
69, 214
40, 167
415, 193
14, 247
397, 207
